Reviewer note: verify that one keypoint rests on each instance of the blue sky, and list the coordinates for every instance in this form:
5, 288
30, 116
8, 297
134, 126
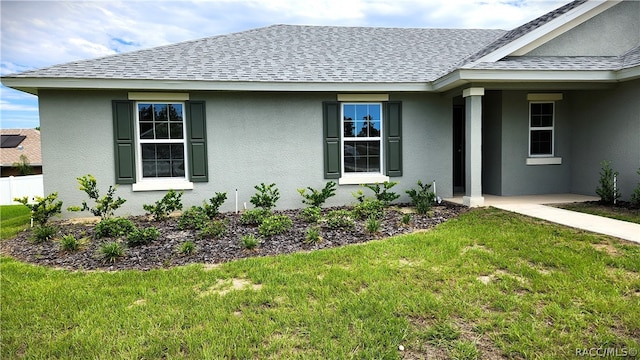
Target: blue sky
37, 34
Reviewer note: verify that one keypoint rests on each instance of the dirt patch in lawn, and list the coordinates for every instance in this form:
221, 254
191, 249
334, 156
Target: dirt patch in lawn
164, 252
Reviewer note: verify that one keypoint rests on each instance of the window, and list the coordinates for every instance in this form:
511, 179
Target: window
161, 140
541, 123
160, 145
362, 138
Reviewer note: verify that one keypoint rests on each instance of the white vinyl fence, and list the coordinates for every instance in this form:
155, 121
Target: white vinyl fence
20, 186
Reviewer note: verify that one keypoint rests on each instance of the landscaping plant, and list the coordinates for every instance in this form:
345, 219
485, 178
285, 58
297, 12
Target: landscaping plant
187, 248
422, 198
213, 229
274, 225
142, 236
111, 251
69, 243
383, 194
254, 216
105, 205
607, 190
315, 197
313, 235
113, 227
266, 196
43, 208
250, 241
369, 208
42, 233
373, 225
340, 219
172, 201
312, 214
212, 208
194, 218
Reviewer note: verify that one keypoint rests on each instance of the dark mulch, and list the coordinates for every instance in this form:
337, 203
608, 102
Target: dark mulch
164, 252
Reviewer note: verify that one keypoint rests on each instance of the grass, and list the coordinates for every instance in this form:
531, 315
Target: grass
489, 283
13, 219
613, 212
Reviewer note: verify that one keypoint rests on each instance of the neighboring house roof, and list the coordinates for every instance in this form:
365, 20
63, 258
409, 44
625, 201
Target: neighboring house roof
289, 53
29, 146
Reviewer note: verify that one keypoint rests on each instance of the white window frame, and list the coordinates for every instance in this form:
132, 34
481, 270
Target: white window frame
161, 183
538, 128
362, 177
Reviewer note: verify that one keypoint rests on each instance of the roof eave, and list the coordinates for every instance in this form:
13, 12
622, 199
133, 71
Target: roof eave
32, 85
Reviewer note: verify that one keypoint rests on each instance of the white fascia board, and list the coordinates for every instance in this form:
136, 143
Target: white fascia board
548, 31
629, 74
191, 85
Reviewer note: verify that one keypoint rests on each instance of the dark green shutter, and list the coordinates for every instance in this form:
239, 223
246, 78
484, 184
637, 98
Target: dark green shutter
393, 138
331, 132
197, 141
124, 138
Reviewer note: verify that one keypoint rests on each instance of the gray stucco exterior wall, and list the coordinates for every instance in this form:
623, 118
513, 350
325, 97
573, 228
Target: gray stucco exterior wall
252, 138
611, 33
605, 126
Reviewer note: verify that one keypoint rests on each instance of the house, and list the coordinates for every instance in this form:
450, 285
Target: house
20, 146
533, 110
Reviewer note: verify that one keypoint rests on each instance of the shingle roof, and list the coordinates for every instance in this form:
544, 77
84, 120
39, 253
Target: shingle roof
290, 53
30, 147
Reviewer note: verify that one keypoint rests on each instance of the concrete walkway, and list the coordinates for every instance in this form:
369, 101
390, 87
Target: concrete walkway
534, 206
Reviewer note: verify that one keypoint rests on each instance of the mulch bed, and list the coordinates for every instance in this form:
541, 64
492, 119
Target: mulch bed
163, 253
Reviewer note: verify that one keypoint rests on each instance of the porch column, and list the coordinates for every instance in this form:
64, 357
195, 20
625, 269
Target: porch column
473, 149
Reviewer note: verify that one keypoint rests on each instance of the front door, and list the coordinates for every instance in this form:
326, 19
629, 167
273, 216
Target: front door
458, 149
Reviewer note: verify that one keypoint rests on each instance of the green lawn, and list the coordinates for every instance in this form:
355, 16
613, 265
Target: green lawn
487, 284
13, 219
619, 213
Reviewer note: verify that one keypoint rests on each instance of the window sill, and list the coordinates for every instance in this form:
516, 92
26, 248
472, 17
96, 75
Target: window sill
162, 185
544, 161
362, 179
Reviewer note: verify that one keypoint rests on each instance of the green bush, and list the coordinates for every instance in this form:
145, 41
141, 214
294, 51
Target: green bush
266, 196
172, 201
274, 225
373, 225
113, 227
316, 198
143, 236
254, 216
340, 219
42, 233
194, 218
104, 206
422, 198
311, 214
369, 208
213, 206
43, 208
187, 248
69, 243
250, 241
111, 251
406, 219
213, 229
606, 190
313, 235
383, 194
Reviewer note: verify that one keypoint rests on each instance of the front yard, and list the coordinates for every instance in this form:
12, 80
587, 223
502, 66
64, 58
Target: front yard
488, 284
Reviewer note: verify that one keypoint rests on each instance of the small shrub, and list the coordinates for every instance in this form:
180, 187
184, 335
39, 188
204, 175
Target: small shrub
104, 206
194, 218
69, 243
316, 198
373, 225
635, 197
172, 201
213, 206
266, 196
422, 198
187, 248
274, 225
111, 251
142, 236
406, 219
43, 208
606, 190
340, 219
313, 235
383, 194
254, 216
250, 241
113, 227
213, 229
369, 208
42, 233
311, 214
